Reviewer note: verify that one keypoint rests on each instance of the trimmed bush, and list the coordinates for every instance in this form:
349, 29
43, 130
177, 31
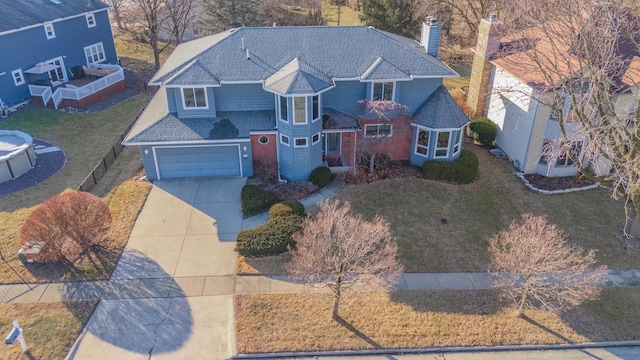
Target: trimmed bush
254, 199
289, 207
320, 176
461, 171
484, 130
271, 238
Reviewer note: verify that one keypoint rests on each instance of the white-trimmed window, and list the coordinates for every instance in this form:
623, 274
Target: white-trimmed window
422, 145
59, 74
315, 105
94, 53
48, 29
194, 98
18, 77
457, 141
315, 138
299, 110
378, 130
300, 142
284, 140
382, 91
442, 144
284, 112
91, 20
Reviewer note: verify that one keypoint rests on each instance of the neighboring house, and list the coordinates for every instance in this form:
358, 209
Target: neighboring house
43, 40
290, 98
508, 89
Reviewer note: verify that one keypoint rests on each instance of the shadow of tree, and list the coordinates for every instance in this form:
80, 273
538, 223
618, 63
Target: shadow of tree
358, 333
143, 310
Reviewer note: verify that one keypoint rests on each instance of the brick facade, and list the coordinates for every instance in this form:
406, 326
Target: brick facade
264, 154
397, 146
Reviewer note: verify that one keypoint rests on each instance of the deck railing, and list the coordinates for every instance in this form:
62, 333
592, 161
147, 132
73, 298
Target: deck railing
80, 92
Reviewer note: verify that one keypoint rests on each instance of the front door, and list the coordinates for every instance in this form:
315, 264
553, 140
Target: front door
331, 145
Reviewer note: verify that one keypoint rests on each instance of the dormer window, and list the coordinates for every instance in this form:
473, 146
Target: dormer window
382, 91
91, 20
48, 29
194, 98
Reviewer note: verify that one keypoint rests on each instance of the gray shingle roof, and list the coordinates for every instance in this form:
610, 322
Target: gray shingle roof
298, 78
338, 52
17, 14
333, 119
440, 111
228, 125
383, 70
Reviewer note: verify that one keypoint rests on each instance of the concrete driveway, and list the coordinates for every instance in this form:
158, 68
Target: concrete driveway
174, 279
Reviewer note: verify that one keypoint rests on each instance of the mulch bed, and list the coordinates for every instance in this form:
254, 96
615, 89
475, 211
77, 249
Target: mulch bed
558, 183
285, 190
397, 170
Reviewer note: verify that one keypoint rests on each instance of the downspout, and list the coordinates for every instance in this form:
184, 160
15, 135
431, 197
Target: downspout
280, 179
355, 146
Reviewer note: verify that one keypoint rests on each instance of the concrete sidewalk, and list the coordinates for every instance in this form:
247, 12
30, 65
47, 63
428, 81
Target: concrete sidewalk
196, 286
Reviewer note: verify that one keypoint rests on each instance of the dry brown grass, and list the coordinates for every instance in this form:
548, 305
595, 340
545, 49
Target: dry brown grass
125, 202
474, 212
49, 328
411, 319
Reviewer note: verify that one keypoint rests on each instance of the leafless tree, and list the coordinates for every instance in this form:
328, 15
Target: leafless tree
470, 11
181, 15
117, 8
535, 266
69, 224
389, 115
586, 57
338, 249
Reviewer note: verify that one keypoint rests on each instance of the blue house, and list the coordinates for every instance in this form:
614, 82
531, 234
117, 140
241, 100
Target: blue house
42, 41
294, 99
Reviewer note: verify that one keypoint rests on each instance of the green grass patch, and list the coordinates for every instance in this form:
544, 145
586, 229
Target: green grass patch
85, 139
348, 16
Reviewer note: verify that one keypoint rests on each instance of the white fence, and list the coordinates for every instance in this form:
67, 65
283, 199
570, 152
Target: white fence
77, 93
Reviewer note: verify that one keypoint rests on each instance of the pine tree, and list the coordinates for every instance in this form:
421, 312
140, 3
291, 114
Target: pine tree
219, 15
390, 15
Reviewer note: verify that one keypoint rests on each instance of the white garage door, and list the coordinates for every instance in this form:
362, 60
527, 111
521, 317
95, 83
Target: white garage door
198, 161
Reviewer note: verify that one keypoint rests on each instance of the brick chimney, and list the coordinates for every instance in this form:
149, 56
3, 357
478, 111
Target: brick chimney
430, 36
489, 34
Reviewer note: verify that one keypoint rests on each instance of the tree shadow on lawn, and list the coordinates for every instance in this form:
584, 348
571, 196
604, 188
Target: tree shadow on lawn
474, 302
143, 310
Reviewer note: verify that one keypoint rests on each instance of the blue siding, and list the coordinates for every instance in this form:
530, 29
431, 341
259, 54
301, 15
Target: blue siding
243, 97
148, 162
414, 93
175, 95
31, 46
345, 96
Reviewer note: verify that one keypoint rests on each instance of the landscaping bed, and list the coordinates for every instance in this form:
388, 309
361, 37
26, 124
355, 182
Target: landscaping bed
50, 329
414, 319
557, 183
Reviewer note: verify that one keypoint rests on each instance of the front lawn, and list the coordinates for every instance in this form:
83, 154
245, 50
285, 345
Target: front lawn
414, 319
416, 208
84, 138
125, 202
50, 329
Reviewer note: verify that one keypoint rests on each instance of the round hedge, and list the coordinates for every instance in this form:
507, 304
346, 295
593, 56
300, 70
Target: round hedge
320, 176
273, 237
484, 131
288, 207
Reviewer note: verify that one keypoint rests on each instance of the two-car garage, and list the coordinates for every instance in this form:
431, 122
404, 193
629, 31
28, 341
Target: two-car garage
198, 161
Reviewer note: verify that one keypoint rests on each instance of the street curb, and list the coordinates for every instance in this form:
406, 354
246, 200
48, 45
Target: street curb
438, 350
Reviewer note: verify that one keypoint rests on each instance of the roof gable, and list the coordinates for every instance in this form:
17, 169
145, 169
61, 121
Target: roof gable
383, 70
298, 78
18, 14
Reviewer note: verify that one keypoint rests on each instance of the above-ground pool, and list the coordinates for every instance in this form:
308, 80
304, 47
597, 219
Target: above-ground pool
17, 155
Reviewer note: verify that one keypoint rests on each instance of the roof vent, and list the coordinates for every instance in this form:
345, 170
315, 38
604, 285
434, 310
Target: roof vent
242, 39
493, 18
232, 30
248, 57
56, 2
433, 21
370, 27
